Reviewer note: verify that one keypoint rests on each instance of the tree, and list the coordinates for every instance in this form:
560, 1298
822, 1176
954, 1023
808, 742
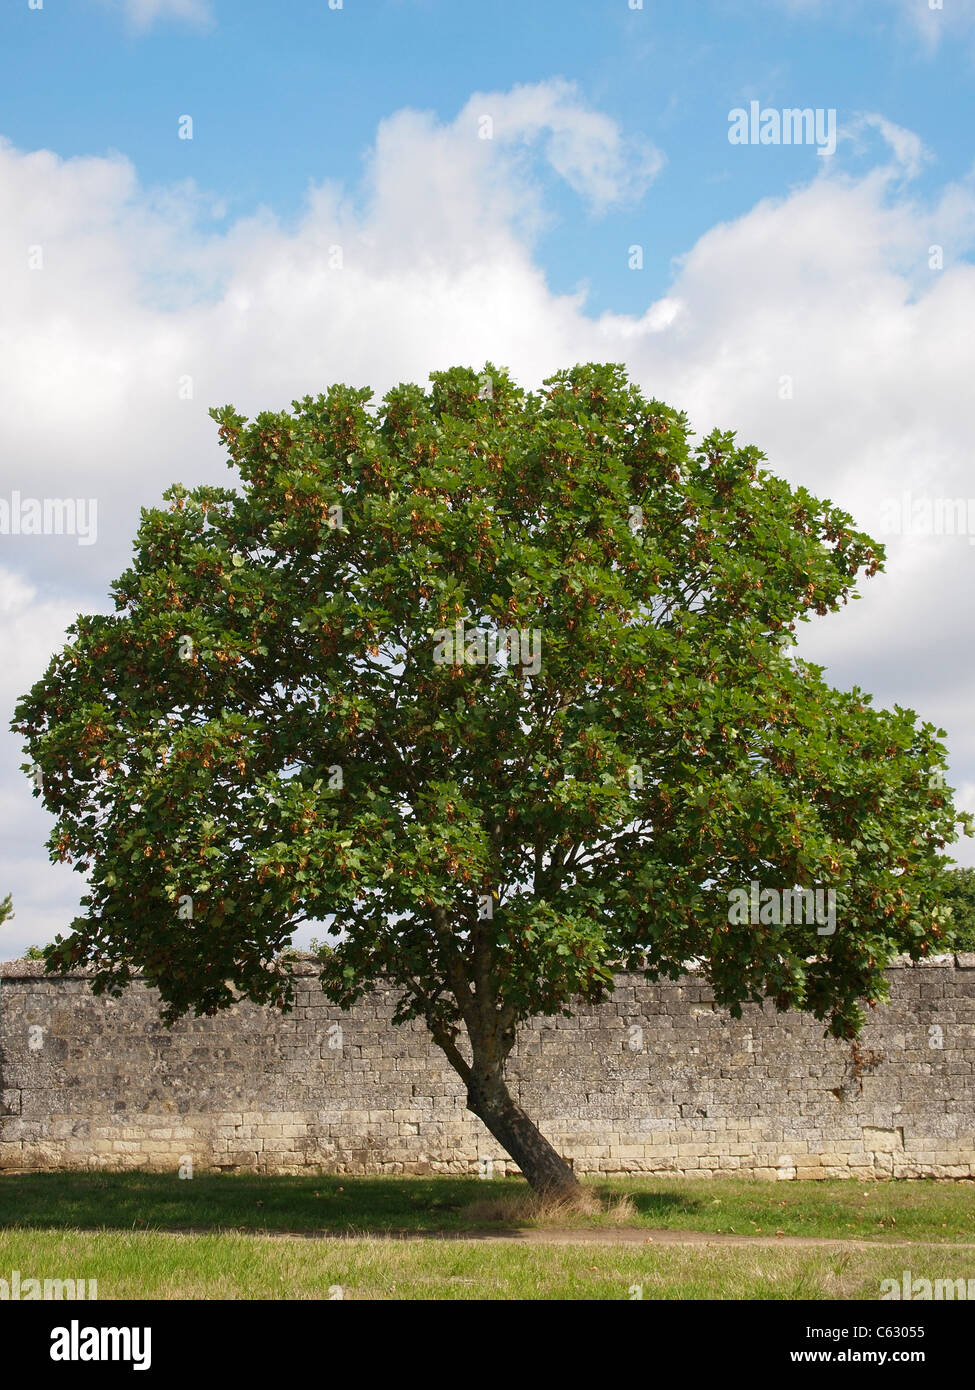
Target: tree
497, 684
958, 893
6, 912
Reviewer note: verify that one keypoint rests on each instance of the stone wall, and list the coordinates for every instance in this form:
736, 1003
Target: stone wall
657, 1079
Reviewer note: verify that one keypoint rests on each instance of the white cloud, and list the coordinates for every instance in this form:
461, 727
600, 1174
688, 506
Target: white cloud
142, 14
918, 17
585, 147
909, 151
31, 628
829, 286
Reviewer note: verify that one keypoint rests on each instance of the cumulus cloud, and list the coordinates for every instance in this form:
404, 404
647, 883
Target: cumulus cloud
817, 324
45, 895
585, 147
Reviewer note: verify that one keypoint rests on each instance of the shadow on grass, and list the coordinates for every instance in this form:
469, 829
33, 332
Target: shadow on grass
162, 1201
654, 1208
340, 1205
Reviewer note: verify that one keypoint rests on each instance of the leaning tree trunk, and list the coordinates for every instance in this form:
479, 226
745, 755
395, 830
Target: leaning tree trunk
546, 1172
490, 1028
488, 1097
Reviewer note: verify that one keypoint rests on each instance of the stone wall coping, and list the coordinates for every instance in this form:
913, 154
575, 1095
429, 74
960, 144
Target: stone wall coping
305, 965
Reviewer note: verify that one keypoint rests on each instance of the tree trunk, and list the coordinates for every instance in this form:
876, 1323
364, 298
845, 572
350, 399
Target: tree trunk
546, 1172
490, 1025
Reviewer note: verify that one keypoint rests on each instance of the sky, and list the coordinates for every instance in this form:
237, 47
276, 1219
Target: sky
205, 202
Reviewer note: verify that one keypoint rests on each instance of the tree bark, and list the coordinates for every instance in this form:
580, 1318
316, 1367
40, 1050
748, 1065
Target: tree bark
490, 1025
546, 1171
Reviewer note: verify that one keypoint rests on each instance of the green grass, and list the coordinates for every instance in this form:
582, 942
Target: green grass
141, 1265
918, 1210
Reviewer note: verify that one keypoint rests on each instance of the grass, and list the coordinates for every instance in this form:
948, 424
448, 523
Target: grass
144, 1265
923, 1210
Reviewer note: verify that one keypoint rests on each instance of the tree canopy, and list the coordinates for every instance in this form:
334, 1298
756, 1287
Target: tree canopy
499, 685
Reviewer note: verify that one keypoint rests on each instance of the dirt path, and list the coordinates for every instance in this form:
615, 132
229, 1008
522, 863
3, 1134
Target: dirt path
630, 1235
635, 1235
573, 1235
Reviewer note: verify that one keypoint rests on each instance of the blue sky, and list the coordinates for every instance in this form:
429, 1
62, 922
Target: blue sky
819, 306
282, 95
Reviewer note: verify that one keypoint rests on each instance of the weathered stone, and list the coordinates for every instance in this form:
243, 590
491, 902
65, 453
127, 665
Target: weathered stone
657, 1080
